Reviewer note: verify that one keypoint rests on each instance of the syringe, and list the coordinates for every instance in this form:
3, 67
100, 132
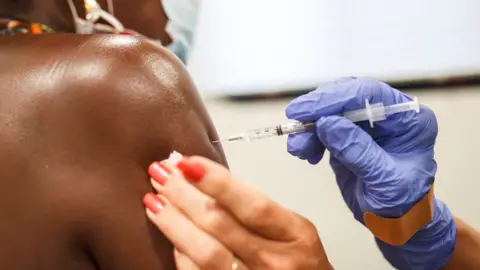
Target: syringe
372, 112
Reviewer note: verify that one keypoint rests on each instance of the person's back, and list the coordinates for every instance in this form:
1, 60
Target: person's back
81, 118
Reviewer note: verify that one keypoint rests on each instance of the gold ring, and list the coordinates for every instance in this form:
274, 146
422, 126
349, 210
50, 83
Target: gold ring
234, 265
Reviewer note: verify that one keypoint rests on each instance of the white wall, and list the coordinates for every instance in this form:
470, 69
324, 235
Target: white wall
241, 46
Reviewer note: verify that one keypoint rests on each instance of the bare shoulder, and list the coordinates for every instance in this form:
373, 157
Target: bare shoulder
92, 60
115, 82
86, 115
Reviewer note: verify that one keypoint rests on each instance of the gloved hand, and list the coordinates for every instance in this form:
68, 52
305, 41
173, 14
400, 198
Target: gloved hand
384, 170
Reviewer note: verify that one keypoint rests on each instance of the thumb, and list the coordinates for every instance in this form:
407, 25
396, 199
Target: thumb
352, 147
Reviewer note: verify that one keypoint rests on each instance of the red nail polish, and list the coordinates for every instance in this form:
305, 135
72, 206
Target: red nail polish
153, 202
191, 170
159, 172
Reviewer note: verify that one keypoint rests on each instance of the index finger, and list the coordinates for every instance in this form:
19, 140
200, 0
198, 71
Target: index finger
250, 206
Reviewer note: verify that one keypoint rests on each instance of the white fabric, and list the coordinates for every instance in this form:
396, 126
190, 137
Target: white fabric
83, 26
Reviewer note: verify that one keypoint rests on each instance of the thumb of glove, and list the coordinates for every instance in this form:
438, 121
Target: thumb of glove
354, 148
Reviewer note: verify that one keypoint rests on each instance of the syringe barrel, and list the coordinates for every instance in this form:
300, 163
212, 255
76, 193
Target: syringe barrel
377, 114
261, 133
403, 107
294, 127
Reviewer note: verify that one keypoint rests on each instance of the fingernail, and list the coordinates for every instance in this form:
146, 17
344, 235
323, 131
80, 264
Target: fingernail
159, 172
191, 170
153, 202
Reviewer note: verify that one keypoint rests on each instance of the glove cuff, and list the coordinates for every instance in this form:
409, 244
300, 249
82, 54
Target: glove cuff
397, 231
430, 248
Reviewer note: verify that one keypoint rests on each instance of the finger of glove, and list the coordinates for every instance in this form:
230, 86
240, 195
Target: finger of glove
340, 96
407, 131
385, 188
316, 159
350, 187
352, 147
305, 146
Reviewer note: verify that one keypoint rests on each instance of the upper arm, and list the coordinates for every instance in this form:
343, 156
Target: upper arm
118, 235
143, 109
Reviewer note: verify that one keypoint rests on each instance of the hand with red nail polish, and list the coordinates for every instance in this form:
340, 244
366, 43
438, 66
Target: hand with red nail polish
153, 203
192, 170
159, 172
234, 225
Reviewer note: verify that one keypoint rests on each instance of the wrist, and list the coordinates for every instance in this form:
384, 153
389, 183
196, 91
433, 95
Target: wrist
467, 248
429, 248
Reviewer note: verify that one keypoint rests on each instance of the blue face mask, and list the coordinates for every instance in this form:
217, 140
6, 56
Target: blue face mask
182, 16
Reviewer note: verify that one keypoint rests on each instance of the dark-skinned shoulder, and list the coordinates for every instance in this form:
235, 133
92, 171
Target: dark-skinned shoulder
98, 110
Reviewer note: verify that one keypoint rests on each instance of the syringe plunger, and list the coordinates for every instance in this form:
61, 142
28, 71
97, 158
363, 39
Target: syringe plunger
377, 111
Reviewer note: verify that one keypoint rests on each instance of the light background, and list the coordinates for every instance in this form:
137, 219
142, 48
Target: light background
253, 46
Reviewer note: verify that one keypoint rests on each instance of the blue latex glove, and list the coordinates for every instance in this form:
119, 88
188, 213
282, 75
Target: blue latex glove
385, 170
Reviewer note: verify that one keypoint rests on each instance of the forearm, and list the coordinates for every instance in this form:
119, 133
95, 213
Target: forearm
467, 248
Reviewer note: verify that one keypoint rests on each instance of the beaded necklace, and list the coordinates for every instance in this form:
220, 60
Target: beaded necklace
14, 27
